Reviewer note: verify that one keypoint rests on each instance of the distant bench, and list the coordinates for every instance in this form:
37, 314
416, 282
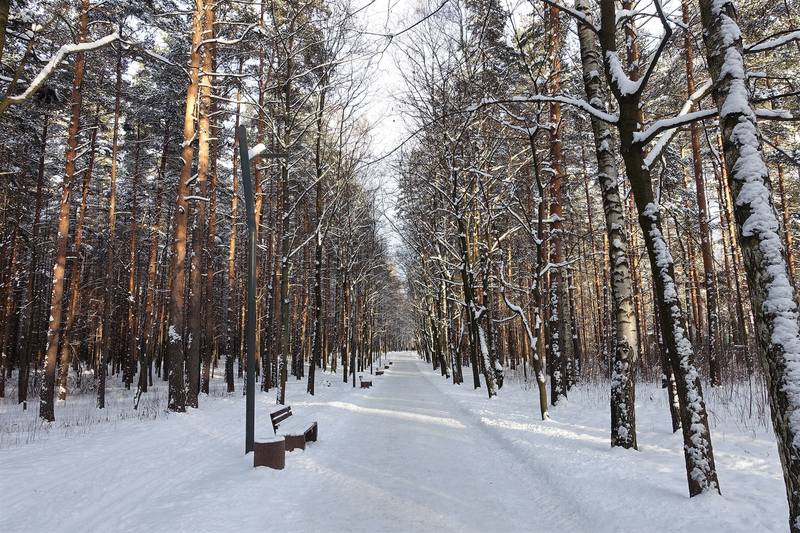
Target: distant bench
365, 383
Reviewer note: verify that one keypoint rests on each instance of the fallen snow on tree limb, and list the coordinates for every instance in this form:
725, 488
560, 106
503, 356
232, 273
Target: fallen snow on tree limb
546, 99
666, 137
774, 42
51, 65
671, 123
256, 151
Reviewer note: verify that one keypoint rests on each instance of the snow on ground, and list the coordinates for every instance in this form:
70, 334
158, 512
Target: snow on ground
413, 453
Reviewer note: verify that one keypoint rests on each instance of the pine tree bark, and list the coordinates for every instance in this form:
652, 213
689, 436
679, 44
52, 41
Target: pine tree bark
46, 399
132, 324
77, 271
709, 277
210, 337
177, 312
197, 308
108, 297
316, 348
231, 345
149, 330
25, 342
9, 315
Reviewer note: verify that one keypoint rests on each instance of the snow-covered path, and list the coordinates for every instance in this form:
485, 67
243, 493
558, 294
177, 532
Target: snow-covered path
396, 457
413, 453
415, 461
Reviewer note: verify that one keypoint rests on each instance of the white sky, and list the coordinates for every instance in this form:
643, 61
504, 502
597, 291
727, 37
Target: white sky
383, 112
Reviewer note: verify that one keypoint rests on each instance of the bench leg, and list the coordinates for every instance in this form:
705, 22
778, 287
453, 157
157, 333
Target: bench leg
295, 441
312, 435
271, 454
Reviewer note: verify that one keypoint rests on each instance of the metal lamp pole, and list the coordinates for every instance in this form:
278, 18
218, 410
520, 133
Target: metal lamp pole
250, 325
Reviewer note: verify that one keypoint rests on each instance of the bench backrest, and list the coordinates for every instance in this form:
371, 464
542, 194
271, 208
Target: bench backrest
280, 415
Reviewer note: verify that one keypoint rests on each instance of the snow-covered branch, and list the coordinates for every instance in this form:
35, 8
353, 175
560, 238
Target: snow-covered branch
776, 114
51, 65
772, 42
230, 41
256, 151
671, 123
583, 19
667, 136
567, 100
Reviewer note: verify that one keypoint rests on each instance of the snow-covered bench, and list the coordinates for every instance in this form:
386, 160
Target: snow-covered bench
296, 432
365, 383
379, 372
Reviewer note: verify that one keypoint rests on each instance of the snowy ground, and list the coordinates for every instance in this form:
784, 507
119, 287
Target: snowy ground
413, 453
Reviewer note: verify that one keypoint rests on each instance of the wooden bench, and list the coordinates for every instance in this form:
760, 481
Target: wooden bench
296, 433
365, 383
379, 372
386, 367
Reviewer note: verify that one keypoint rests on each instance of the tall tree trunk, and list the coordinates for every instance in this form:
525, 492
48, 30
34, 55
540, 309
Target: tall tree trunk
108, 297
231, 346
209, 66
316, 349
9, 315
698, 453
771, 290
626, 339
77, 271
148, 331
46, 399
558, 362
709, 277
132, 325
177, 311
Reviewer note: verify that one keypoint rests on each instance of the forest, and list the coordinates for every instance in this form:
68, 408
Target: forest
562, 199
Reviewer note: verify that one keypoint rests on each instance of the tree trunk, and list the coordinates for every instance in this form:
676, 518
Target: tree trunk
626, 339
77, 272
175, 351
709, 277
148, 332
26, 321
132, 325
108, 297
46, 399
698, 452
771, 290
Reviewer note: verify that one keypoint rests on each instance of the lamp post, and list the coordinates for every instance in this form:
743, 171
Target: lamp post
245, 156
